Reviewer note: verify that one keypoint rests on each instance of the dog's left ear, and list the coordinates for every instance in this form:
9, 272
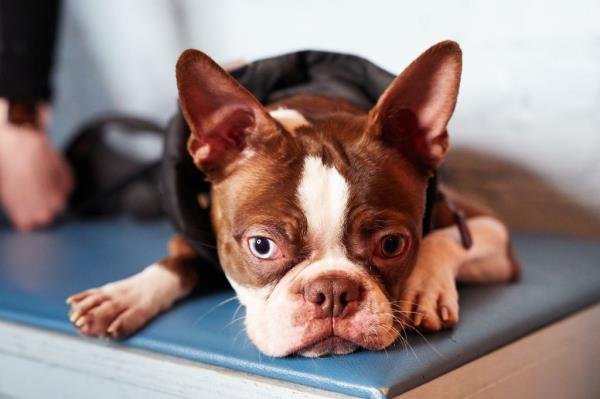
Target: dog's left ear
225, 119
413, 112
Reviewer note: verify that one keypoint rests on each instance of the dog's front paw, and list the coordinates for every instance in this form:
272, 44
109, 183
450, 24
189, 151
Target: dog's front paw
429, 300
115, 310
119, 309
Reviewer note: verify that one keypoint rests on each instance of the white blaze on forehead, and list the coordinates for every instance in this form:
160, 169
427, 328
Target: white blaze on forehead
289, 118
323, 195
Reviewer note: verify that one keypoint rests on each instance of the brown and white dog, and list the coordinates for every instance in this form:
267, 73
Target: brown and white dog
317, 207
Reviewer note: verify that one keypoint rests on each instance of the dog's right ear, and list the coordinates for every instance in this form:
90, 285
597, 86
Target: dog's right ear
225, 119
412, 114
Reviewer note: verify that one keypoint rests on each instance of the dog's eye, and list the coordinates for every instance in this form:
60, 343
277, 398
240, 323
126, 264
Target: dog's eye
391, 245
263, 247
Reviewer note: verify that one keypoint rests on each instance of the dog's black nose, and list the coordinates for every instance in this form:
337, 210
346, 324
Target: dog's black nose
332, 295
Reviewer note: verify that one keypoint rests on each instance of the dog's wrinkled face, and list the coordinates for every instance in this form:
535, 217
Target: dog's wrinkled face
318, 210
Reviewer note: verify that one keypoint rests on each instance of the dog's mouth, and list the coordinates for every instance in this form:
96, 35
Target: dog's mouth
329, 345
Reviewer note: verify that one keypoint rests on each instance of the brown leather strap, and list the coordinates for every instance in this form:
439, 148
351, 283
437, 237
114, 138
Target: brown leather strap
22, 112
460, 219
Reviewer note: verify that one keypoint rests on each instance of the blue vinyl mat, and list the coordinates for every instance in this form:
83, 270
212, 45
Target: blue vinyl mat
39, 270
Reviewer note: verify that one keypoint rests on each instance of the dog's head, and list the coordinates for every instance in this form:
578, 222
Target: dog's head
318, 216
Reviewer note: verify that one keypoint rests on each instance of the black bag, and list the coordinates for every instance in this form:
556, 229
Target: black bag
115, 160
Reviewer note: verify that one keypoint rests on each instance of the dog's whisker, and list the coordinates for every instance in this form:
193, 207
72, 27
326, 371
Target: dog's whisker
403, 312
206, 245
408, 342
402, 303
225, 301
237, 335
233, 321
235, 313
402, 335
237, 309
433, 348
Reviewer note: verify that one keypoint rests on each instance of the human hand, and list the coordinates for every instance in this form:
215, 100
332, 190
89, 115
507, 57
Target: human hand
35, 180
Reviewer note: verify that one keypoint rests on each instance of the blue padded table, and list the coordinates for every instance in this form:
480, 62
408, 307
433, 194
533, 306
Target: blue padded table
39, 270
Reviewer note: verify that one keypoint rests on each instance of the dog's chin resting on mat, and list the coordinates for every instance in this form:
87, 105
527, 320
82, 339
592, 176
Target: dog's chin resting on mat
317, 206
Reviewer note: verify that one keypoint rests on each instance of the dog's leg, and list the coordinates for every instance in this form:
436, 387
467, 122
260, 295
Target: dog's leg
120, 308
430, 298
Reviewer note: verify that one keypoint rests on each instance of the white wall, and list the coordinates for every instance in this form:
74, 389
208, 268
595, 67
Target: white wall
530, 89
